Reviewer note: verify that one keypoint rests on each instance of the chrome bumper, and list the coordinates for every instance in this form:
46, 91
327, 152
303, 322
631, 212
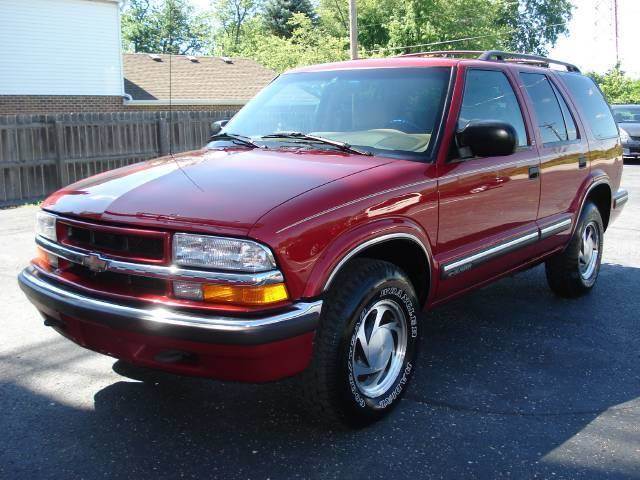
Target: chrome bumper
55, 302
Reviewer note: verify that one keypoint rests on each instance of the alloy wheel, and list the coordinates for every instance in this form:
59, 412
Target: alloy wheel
589, 250
380, 348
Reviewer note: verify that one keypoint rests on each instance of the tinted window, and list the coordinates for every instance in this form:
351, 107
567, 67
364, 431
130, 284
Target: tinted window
593, 105
488, 95
379, 109
569, 122
548, 111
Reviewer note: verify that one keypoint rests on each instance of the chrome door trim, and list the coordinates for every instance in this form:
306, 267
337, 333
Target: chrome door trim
555, 227
90, 259
468, 262
375, 241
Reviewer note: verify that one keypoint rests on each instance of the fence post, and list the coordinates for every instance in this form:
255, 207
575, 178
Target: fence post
59, 142
163, 136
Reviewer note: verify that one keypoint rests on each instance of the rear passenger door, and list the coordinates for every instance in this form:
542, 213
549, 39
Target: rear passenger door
563, 150
488, 205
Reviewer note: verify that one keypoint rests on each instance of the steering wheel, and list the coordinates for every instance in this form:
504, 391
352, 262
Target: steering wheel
403, 124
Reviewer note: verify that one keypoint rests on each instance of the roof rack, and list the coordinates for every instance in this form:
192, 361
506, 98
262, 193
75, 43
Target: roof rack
446, 53
498, 56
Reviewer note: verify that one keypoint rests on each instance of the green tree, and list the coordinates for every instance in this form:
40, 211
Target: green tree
617, 87
231, 17
277, 14
140, 32
307, 45
167, 26
387, 25
534, 24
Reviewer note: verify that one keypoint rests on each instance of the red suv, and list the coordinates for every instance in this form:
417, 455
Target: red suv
320, 222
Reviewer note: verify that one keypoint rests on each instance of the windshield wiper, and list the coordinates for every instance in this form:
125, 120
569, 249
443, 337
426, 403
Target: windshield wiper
345, 147
236, 138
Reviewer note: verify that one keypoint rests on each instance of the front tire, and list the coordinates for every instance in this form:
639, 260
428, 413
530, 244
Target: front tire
366, 345
573, 272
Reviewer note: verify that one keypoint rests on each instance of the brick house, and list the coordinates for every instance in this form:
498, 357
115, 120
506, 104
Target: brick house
64, 56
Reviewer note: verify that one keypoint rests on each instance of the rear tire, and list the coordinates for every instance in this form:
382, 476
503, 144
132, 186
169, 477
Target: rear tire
573, 272
365, 347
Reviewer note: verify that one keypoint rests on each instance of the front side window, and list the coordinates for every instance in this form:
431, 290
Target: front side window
488, 95
595, 110
545, 103
385, 111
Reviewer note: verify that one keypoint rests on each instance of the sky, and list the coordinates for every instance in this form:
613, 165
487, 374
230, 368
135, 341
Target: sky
591, 40
590, 43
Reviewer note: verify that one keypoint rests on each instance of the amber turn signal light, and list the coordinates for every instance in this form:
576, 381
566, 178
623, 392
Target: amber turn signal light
243, 295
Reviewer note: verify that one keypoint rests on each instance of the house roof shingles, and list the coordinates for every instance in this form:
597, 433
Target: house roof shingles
206, 78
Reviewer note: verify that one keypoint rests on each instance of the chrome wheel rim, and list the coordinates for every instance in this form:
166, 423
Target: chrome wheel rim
589, 250
380, 348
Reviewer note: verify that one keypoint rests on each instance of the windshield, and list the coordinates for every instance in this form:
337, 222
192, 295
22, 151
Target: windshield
385, 111
626, 113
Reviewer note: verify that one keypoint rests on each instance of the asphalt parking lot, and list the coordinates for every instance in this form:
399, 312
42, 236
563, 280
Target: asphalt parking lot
513, 383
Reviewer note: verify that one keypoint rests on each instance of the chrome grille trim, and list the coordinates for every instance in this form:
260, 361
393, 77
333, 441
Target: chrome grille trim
90, 259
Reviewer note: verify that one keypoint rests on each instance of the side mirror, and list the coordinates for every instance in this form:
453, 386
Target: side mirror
488, 138
216, 127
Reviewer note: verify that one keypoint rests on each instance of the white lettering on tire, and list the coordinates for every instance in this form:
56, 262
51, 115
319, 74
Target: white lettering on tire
402, 296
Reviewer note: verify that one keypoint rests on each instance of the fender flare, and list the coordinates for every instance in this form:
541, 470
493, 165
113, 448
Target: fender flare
350, 243
593, 181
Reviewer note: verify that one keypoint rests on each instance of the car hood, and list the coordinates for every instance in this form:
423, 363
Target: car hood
632, 129
223, 191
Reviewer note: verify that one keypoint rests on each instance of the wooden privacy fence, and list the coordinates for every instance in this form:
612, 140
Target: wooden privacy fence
41, 153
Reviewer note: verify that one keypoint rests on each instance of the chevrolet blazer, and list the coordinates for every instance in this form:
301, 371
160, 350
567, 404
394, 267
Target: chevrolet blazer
319, 226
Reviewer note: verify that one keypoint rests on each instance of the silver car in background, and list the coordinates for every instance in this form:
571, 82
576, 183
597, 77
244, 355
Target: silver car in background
628, 119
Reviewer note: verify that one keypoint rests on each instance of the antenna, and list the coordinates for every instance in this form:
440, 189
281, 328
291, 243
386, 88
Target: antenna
615, 27
171, 104
170, 101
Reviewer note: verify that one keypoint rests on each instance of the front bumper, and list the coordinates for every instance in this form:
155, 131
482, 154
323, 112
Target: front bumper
201, 344
631, 149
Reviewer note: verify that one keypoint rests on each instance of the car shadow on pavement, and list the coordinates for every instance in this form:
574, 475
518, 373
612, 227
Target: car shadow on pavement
512, 381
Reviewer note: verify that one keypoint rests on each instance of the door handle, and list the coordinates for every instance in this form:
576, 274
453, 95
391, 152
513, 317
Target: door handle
582, 161
534, 172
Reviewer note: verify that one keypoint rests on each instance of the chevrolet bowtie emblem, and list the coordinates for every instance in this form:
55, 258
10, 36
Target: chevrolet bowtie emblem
94, 263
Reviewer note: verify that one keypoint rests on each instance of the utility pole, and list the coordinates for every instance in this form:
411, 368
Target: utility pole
615, 23
353, 29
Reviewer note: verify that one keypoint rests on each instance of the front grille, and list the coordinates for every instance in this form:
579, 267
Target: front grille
130, 285
635, 139
114, 241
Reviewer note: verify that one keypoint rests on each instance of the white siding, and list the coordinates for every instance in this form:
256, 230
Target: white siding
60, 47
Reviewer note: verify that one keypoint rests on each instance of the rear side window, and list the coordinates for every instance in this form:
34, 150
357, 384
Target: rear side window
594, 108
570, 123
551, 121
488, 95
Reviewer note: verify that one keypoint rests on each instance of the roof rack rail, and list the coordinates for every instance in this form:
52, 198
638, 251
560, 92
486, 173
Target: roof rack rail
497, 56
445, 53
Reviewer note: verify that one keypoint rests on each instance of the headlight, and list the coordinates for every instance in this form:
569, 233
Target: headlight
46, 226
624, 135
221, 253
